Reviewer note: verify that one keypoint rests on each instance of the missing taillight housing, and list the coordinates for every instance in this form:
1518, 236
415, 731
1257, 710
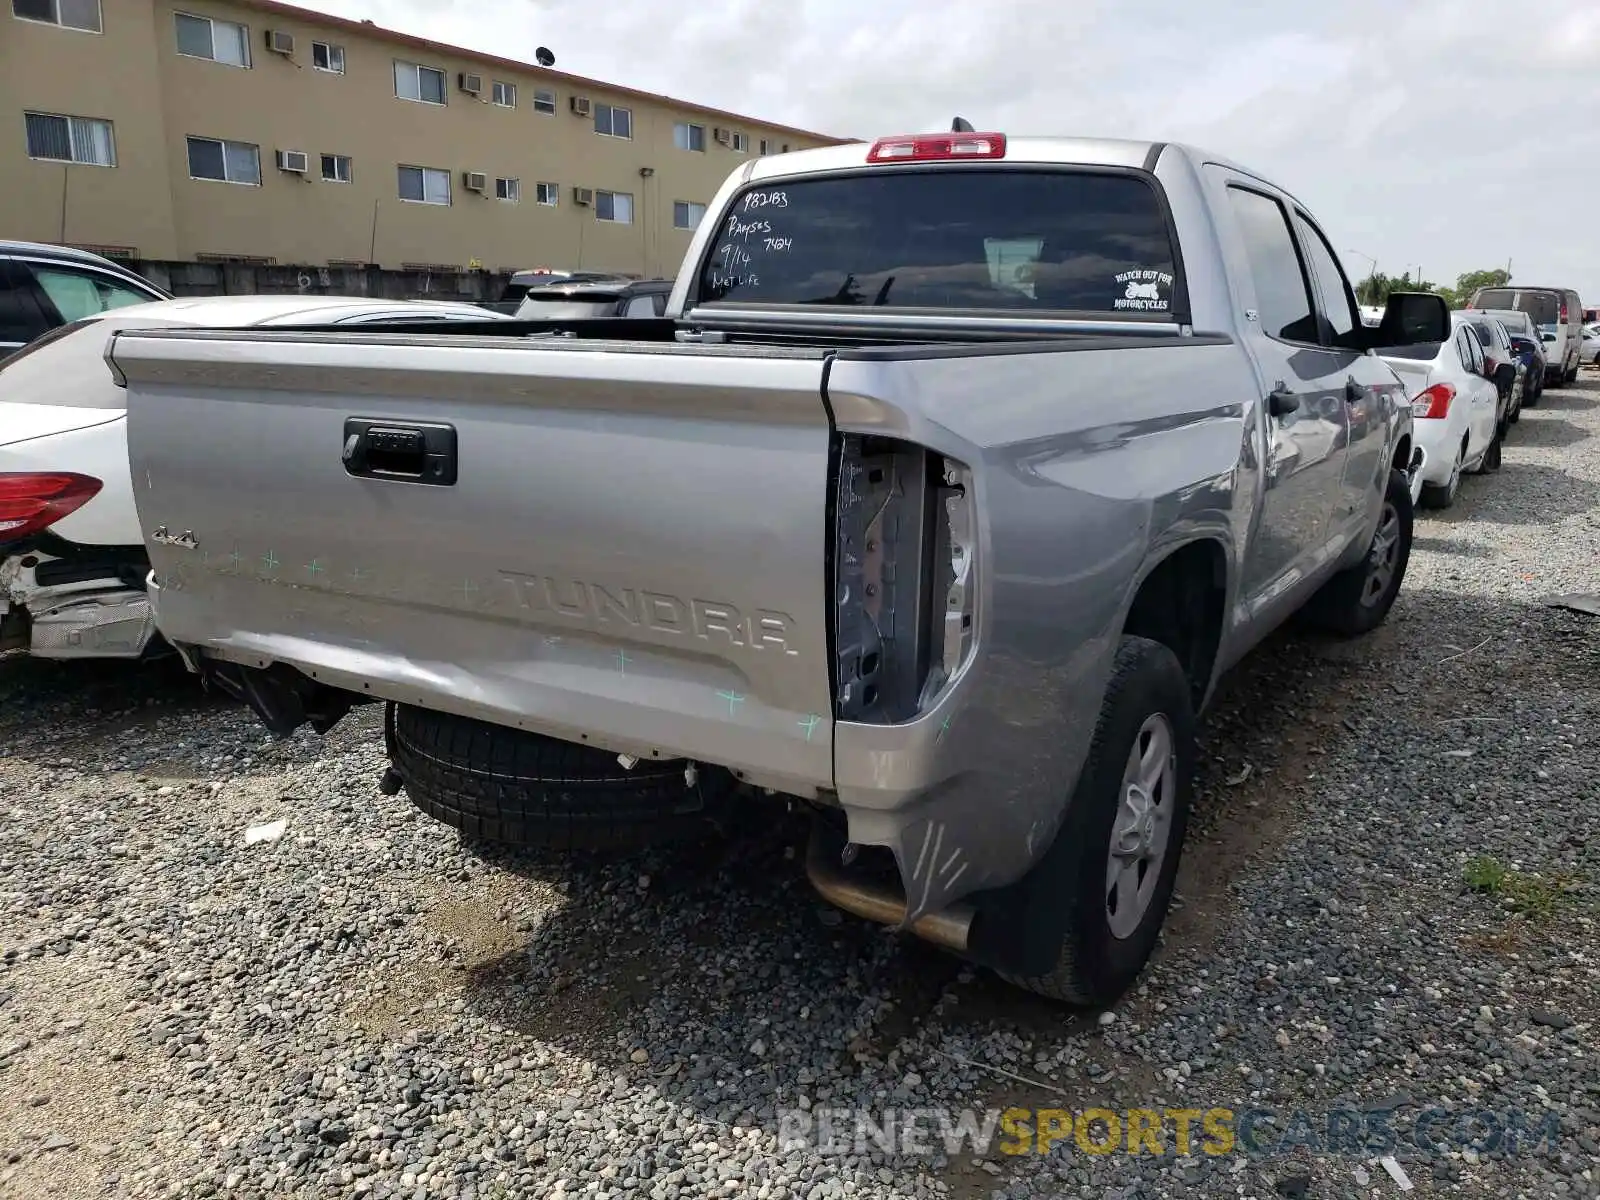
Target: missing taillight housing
32, 501
903, 600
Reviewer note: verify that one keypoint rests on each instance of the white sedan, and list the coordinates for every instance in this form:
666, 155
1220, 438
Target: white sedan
1454, 410
72, 559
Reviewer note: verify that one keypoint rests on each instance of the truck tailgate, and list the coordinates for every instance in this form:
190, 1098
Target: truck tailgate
632, 552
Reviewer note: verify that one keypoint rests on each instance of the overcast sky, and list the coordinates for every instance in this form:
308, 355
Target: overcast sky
1455, 135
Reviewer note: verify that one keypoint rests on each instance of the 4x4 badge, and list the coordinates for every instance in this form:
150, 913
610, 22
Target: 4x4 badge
184, 540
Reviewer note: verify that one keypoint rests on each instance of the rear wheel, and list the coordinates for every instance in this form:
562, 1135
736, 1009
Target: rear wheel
512, 786
1443, 495
1106, 881
1357, 599
1491, 456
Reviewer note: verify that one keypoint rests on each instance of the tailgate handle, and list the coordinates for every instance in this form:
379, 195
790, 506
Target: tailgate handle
410, 452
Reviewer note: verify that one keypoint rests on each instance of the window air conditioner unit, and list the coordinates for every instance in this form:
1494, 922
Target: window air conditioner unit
476, 181
723, 136
580, 106
582, 195
297, 161
280, 42
470, 84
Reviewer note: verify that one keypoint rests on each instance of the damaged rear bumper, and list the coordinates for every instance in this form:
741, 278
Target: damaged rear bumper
76, 603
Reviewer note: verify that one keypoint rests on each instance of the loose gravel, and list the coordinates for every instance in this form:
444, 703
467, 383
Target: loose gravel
363, 1006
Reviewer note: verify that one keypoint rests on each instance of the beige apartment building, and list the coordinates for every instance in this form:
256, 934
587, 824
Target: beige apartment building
250, 130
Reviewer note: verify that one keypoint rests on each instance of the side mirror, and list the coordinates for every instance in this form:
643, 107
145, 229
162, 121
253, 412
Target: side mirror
1505, 374
1411, 318
1549, 337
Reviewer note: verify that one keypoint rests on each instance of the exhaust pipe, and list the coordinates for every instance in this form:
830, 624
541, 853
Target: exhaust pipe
883, 903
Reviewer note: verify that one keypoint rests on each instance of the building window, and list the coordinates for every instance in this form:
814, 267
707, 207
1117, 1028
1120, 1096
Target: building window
505, 94
741, 143
544, 101
766, 146
425, 185
326, 57
613, 121
220, 41
71, 139
69, 14
508, 189
415, 82
547, 193
614, 206
689, 137
225, 162
336, 168
686, 214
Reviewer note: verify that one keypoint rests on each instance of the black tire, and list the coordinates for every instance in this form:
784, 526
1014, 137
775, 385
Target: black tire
508, 785
1443, 495
1066, 888
1493, 456
1352, 602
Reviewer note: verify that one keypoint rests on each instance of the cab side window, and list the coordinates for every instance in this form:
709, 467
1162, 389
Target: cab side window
1338, 311
1283, 293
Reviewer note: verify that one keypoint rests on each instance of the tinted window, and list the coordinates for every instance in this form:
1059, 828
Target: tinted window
20, 318
1495, 298
1487, 333
1283, 299
961, 239
1332, 290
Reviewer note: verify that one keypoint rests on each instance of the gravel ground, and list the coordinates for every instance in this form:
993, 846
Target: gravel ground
367, 1007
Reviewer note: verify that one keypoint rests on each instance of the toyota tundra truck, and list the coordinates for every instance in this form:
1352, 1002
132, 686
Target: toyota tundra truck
957, 471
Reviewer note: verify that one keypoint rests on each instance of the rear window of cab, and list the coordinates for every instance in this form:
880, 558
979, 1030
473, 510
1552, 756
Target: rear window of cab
968, 238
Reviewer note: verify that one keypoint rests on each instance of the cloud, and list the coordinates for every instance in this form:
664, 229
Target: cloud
1454, 134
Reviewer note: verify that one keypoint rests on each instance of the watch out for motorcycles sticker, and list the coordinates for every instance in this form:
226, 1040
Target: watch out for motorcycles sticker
1144, 291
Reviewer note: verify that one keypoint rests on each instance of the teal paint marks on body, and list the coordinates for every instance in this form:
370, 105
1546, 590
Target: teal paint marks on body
809, 723
734, 699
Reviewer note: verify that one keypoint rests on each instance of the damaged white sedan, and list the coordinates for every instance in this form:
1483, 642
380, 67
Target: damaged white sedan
72, 556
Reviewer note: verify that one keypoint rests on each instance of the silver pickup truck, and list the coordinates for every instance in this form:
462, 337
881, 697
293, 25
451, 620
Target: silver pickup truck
958, 470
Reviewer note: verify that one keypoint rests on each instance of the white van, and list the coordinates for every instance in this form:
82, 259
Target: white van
1559, 315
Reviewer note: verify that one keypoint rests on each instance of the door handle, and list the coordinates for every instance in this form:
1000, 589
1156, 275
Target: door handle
1354, 393
419, 452
1281, 401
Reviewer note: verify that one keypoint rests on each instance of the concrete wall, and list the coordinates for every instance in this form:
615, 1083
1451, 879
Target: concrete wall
237, 279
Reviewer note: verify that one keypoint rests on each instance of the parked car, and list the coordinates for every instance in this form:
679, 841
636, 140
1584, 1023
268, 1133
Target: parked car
1590, 345
44, 287
1528, 348
72, 559
940, 504
595, 298
1454, 407
1501, 365
1559, 314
